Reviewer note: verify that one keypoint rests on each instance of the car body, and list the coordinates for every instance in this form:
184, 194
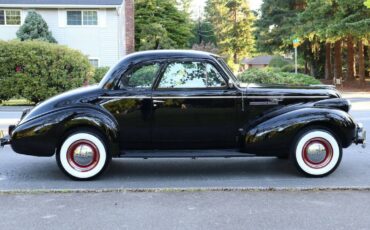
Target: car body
186, 104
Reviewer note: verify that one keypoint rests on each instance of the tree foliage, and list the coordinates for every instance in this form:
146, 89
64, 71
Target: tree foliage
277, 24
204, 32
35, 28
367, 3
160, 25
233, 26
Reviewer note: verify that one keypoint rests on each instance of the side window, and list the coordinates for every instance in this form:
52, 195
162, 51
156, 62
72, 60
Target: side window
140, 77
191, 75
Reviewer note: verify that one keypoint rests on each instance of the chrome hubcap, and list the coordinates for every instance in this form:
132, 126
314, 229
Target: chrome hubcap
83, 155
316, 152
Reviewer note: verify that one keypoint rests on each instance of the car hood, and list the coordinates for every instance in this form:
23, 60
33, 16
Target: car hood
81, 95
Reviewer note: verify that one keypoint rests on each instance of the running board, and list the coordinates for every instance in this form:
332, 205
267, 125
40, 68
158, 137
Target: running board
226, 153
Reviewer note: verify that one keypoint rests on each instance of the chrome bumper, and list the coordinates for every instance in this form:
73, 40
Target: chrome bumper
360, 135
4, 140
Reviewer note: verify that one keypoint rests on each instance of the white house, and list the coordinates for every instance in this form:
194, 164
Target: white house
101, 29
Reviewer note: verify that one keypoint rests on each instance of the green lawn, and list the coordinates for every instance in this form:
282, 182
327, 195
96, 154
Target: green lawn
16, 102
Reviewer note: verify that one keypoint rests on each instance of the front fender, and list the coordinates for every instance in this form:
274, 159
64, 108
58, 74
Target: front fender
42, 135
273, 135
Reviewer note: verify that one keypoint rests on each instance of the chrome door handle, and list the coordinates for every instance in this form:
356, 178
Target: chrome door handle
156, 102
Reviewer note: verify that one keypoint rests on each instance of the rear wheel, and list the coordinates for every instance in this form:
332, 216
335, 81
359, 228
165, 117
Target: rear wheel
316, 152
83, 155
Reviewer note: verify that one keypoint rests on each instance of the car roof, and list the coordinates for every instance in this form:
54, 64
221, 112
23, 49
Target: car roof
154, 54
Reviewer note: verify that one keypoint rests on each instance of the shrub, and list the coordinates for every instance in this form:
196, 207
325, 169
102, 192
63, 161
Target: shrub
35, 28
278, 61
291, 68
37, 70
100, 73
272, 77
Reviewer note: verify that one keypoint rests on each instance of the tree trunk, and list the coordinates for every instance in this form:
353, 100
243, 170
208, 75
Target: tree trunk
305, 67
361, 61
350, 59
328, 74
235, 57
338, 59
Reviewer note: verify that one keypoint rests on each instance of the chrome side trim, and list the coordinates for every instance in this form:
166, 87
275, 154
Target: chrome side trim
286, 97
214, 97
124, 97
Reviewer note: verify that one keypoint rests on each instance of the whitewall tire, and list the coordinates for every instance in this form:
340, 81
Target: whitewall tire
83, 155
316, 152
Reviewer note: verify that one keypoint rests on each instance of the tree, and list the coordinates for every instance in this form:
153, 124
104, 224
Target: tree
277, 24
204, 32
207, 47
155, 36
184, 5
233, 26
367, 3
35, 28
335, 21
163, 22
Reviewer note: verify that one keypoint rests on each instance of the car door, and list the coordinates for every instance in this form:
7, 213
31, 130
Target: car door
193, 107
131, 104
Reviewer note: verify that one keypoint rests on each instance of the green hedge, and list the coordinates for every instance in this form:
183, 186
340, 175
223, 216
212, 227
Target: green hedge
100, 73
37, 70
268, 76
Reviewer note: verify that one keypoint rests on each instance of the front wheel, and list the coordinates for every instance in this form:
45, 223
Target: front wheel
83, 155
316, 152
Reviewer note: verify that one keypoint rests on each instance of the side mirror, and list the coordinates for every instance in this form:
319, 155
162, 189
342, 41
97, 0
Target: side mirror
231, 84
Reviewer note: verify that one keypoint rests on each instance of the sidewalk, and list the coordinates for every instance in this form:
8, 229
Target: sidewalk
14, 108
356, 94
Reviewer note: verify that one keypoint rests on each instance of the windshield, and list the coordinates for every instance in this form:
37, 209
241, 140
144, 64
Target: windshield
227, 69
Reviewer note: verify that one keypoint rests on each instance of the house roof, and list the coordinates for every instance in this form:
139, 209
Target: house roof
42, 3
260, 60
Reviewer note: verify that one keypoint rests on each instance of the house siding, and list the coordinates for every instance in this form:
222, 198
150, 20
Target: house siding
103, 41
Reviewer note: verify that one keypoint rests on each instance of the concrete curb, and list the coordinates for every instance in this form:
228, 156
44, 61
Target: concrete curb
177, 190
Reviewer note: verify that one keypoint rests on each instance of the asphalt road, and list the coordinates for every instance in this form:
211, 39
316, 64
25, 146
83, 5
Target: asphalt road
187, 210
18, 172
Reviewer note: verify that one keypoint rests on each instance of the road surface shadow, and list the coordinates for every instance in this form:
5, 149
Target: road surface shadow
209, 168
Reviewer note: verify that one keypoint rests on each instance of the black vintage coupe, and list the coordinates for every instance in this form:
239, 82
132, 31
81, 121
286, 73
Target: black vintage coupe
186, 104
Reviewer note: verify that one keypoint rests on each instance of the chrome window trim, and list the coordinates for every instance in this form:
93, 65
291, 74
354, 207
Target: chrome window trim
214, 97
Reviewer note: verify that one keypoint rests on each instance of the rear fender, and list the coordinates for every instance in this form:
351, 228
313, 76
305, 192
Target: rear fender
273, 135
50, 129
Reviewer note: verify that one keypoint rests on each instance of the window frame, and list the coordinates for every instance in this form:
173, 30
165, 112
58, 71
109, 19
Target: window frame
95, 59
131, 68
5, 15
82, 18
205, 61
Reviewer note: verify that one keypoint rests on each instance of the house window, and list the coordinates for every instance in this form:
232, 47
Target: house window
84, 17
94, 62
10, 17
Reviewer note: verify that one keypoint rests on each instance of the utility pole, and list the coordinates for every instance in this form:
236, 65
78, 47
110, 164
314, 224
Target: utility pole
296, 43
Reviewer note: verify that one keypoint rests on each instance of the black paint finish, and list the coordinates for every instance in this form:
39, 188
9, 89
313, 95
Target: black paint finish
255, 119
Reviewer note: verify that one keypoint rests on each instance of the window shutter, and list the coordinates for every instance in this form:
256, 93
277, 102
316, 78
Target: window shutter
62, 17
102, 18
